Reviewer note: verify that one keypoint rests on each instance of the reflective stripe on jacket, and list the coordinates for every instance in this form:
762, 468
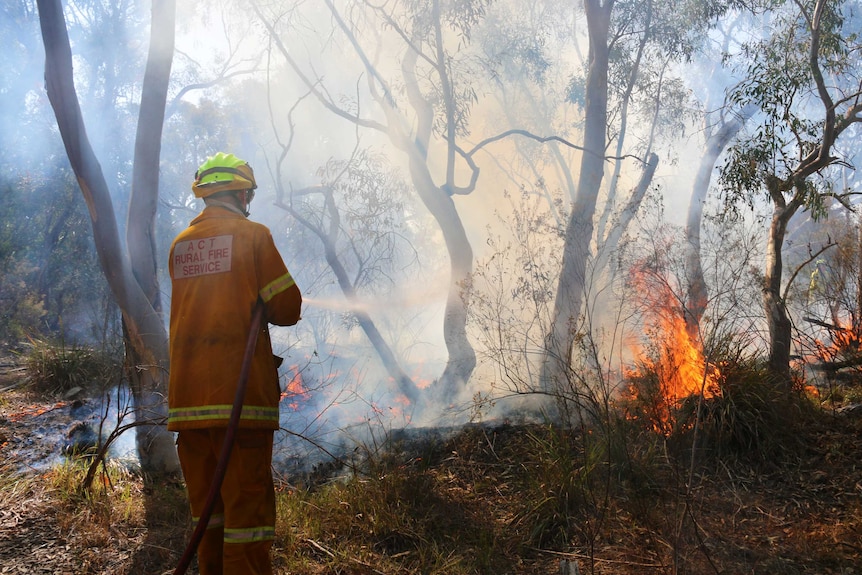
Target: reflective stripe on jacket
220, 266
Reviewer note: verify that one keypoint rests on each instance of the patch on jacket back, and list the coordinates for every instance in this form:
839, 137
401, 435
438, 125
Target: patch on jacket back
201, 257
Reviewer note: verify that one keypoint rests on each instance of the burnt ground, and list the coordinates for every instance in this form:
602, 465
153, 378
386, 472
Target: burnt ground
802, 516
48, 527
31, 540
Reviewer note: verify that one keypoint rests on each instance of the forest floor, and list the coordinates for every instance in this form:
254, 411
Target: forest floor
801, 516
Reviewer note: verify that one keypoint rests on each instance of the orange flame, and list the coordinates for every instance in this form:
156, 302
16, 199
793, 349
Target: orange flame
844, 340
418, 376
35, 410
676, 358
681, 366
295, 391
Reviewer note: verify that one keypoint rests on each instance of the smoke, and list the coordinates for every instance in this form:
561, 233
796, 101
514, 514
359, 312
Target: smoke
235, 90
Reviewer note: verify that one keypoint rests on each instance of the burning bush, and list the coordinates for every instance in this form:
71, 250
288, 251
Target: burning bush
751, 417
699, 384
746, 414
669, 370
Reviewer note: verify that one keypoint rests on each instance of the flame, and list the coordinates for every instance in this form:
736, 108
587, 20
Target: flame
675, 357
419, 378
681, 366
35, 410
295, 391
842, 349
402, 399
844, 340
401, 408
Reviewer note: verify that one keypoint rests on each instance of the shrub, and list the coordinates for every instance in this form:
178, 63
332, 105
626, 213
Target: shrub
559, 482
55, 368
745, 413
751, 417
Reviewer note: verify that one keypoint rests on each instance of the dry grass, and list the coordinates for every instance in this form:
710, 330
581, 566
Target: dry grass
492, 499
476, 505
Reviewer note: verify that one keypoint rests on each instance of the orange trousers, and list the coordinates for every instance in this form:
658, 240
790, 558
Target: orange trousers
242, 526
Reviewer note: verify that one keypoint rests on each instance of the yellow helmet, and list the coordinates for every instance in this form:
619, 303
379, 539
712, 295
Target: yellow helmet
221, 173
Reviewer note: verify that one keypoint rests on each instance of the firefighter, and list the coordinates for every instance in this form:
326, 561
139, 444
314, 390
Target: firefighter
220, 267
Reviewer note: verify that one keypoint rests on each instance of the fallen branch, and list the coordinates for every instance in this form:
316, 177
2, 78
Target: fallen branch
833, 366
828, 326
600, 560
320, 547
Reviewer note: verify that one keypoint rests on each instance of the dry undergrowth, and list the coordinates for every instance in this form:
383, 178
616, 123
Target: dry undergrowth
493, 499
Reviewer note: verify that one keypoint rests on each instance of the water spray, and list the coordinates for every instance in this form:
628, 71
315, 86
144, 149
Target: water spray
333, 304
357, 306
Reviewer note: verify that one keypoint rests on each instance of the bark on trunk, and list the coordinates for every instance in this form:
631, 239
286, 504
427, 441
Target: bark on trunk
148, 145
778, 322
698, 294
145, 333
579, 231
155, 445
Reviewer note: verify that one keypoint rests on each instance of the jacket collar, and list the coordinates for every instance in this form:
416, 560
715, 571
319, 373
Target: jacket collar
225, 205
218, 210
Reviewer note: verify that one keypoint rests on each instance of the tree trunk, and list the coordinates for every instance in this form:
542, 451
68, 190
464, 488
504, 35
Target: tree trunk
148, 144
624, 119
462, 357
778, 322
145, 335
627, 214
698, 295
149, 386
579, 231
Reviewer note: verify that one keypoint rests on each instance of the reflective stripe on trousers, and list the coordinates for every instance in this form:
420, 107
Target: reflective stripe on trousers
239, 541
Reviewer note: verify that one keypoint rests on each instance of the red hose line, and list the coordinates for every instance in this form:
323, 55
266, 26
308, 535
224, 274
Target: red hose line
227, 446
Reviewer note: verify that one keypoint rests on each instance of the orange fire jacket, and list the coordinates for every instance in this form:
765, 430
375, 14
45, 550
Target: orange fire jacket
220, 266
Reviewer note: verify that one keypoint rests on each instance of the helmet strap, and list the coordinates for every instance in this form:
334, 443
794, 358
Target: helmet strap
245, 203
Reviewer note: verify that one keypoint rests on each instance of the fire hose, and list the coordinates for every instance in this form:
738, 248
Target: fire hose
227, 446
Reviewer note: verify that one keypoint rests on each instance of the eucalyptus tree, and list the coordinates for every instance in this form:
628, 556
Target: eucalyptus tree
633, 47
358, 214
131, 274
420, 104
533, 78
579, 230
804, 79
720, 124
